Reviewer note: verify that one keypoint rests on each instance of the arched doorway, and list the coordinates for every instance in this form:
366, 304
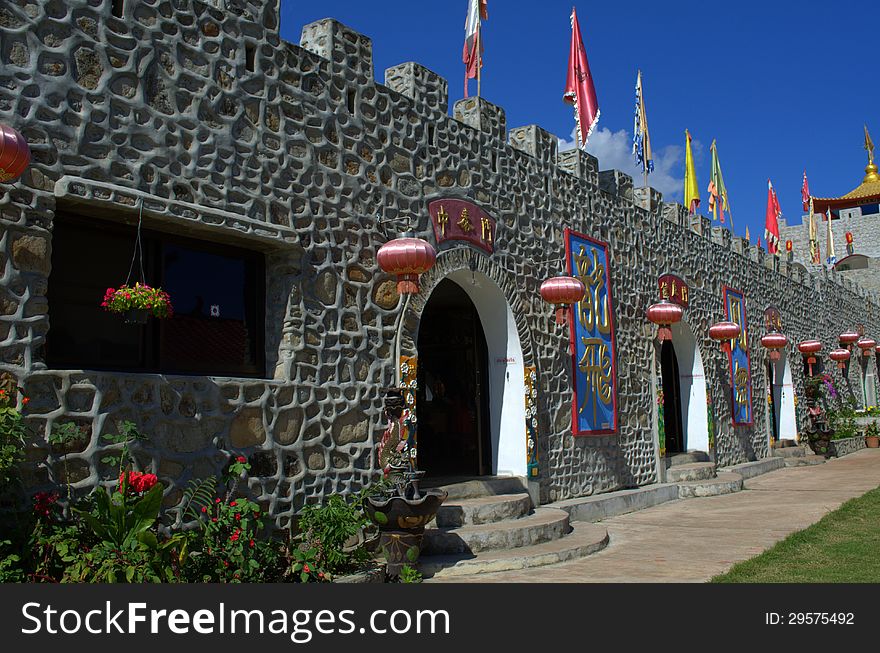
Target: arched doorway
474, 422
783, 422
685, 412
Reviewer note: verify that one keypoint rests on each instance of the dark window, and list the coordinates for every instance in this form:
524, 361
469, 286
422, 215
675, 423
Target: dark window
118, 8
217, 293
250, 57
870, 209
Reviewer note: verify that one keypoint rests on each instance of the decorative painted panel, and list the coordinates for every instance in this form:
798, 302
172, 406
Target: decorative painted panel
531, 392
591, 324
409, 366
740, 365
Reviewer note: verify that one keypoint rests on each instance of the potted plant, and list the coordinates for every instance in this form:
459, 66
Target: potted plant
138, 303
872, 436
402, 511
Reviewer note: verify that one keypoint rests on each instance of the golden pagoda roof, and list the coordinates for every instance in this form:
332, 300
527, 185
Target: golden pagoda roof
868, 190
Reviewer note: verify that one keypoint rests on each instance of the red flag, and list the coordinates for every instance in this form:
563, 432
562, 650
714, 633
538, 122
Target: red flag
805, 192
579, 89
473, 40
771, 224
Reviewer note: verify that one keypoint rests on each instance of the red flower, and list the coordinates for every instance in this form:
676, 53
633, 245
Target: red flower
217, 500
307, 569
233, 503
24, 401
234, 536
204, 509
241, 459
238, 516
252, 543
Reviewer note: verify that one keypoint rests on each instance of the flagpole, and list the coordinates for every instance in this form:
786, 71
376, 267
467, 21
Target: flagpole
479, 57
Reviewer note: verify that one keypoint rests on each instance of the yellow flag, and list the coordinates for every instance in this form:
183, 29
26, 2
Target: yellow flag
691, 189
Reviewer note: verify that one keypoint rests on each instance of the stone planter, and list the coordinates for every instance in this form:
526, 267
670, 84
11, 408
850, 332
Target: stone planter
846, 446
820, 446
401, 525
137, 315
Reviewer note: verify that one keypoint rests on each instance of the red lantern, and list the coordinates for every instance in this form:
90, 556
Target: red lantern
725, 333
849, 238
664, 314
848, 338
840, 356
15, 155
788, 246
407, 258
774, 342
867, 345
808, 348
562, 291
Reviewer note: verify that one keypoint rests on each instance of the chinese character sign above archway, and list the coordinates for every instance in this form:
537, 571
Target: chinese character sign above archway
462, 220
594, 410
740, 365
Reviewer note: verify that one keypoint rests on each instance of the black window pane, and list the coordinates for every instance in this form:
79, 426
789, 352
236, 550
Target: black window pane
214, 327
85, 262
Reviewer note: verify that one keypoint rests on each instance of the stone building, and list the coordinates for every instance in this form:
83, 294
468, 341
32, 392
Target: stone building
267, 175
854, 215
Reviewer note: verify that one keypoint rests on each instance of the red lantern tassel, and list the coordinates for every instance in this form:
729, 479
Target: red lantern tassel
774, 355
560, 314
664, 333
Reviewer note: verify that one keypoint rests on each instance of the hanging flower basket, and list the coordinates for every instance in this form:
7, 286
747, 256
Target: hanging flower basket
138, 303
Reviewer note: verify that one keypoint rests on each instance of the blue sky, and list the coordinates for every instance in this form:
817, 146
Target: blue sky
780, 85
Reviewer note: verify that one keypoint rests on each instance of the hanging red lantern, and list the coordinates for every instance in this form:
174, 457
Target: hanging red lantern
867, 345
809, 348
725, 333
840, 356
773, 342
664, 314
15, 155
847, 338
407, 258
562, 291
788, 246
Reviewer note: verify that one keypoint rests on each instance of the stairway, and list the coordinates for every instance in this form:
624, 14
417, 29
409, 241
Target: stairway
488, 524
797, 456
696, 476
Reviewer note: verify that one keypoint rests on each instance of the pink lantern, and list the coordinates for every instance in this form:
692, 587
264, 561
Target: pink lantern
664, 314
840, 356
773, 342
848, 338
15, 155
725, 333
562, 291
809, 348
407, 258
867, 345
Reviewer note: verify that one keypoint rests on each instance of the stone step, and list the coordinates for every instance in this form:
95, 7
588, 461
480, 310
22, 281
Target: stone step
619, 502
482, 486
803, 461
757, 467
690, 472
789, 452
543, 525
483, 510
723, 483
584, 539
686, 458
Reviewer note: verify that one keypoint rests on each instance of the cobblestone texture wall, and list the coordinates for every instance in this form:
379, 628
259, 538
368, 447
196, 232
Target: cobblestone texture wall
295, 158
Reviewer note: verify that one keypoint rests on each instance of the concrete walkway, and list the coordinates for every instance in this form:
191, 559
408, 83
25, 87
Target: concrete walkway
692, 540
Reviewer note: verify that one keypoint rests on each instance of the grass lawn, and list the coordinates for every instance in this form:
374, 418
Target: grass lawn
843, 547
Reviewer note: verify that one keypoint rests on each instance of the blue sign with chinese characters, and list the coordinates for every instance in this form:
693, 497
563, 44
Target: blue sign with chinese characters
591, 324
740, 365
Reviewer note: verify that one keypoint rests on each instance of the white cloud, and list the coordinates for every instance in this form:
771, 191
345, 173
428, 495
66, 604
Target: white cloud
614, 151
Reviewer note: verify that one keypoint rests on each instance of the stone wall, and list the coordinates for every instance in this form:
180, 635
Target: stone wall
296, 158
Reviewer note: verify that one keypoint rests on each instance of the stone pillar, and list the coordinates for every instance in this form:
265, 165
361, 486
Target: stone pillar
535, 142
617, 183
343, 46
674, 212
420, 84
647, 198
482, 115
580, 164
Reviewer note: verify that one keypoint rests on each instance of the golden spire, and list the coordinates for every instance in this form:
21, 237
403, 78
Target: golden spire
871, 169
